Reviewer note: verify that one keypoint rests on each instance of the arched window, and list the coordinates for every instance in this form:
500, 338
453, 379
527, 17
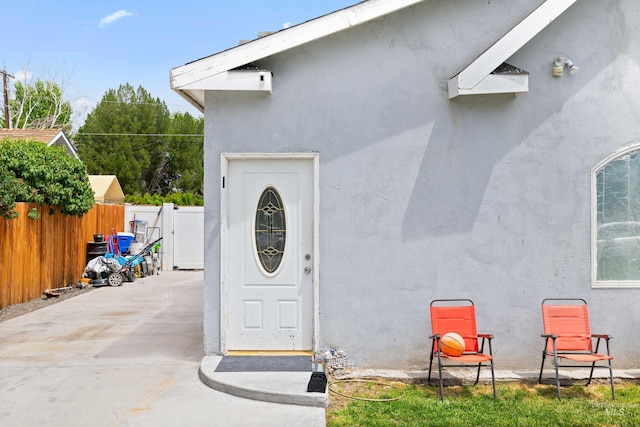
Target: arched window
616, 255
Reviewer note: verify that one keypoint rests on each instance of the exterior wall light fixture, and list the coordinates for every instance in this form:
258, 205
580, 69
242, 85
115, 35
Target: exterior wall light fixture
559, 64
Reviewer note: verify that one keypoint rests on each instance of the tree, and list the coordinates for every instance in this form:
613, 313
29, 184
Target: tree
40, 105
185, 171
124, 136
32, 172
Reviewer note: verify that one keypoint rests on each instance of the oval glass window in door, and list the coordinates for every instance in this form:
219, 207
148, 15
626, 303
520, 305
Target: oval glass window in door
270, 230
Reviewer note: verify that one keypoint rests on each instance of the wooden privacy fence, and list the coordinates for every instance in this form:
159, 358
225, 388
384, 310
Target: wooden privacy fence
49, 252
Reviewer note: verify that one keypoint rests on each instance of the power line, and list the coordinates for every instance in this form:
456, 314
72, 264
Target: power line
141, 134
151, 138
104, 101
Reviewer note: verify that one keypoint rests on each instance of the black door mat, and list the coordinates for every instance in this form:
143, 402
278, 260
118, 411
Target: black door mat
265, 364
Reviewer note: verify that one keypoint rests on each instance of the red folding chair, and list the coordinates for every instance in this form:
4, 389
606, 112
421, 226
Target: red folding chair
459, 316
567, 335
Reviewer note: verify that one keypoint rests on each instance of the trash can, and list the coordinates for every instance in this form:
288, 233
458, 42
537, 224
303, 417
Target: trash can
95, 249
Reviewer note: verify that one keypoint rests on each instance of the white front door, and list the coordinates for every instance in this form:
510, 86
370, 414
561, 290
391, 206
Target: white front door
269, 259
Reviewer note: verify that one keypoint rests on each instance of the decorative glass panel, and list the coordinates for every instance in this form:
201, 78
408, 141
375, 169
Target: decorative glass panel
270, 229
618, 219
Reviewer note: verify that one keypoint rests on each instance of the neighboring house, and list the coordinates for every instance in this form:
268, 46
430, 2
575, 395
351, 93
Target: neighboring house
106, 189
47, 136
364, 163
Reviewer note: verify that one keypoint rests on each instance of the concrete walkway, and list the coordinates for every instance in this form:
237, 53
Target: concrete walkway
126, 356
133, 356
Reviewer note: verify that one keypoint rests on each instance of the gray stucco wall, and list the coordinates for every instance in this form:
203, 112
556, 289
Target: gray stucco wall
481, 197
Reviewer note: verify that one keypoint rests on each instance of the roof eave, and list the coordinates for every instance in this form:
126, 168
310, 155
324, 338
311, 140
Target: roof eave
68, 144
185, 79
493, 84
465, 82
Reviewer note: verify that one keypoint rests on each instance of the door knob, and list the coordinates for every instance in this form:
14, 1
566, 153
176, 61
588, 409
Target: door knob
307, 270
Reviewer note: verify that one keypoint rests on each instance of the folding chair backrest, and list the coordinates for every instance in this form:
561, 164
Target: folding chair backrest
570, 323
460, 319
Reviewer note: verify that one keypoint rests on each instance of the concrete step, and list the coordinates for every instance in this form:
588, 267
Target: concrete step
277, 387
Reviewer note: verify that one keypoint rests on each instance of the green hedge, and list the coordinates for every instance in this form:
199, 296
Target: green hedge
34, 173
180, 199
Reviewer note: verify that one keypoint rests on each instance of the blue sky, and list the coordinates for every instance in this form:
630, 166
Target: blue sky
90, 47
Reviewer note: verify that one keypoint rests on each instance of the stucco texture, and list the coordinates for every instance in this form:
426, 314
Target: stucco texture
485, 197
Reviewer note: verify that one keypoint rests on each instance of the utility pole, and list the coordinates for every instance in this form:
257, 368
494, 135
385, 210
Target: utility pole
5, 91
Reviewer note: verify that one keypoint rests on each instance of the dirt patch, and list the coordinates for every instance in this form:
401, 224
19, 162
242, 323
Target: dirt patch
38, 303
342, 392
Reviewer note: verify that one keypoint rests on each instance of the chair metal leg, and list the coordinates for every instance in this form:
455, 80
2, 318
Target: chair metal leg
440, 377
430, 364
480, 364
613, 390
555, 362
478, 374
544, 355
593, 365
493, 380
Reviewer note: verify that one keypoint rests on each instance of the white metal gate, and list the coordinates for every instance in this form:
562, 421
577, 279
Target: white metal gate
181, 229
188, 238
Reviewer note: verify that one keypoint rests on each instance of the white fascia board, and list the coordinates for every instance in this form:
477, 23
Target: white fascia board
493, 83
194, 97
241, 80
69, 145
189, 74
509, 44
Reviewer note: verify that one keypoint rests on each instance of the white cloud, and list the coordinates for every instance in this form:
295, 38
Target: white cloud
82, 103
80, 108
23, 76
286, 25
114, 17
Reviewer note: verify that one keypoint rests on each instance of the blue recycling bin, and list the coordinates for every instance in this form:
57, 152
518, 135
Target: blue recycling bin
124, 241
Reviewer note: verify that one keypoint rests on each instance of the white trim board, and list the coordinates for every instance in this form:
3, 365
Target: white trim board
476, 78
190, 80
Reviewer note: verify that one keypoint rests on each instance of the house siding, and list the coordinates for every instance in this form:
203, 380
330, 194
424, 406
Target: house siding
485, 197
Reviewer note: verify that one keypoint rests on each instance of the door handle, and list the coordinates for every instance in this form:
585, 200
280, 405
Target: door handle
307, 270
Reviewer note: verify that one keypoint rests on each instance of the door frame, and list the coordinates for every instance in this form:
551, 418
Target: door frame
225, 159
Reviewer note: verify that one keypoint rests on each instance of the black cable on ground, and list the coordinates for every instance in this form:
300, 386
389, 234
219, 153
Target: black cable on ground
366, 399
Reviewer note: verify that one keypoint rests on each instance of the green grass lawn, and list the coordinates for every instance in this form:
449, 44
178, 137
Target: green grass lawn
518, 404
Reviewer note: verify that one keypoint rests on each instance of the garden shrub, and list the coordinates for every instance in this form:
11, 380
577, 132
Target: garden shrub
32, 172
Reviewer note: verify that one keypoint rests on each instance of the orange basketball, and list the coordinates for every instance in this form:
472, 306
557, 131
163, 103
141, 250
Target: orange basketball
452, 344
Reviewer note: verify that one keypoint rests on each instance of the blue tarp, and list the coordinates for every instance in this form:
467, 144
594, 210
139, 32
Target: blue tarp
132, 259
